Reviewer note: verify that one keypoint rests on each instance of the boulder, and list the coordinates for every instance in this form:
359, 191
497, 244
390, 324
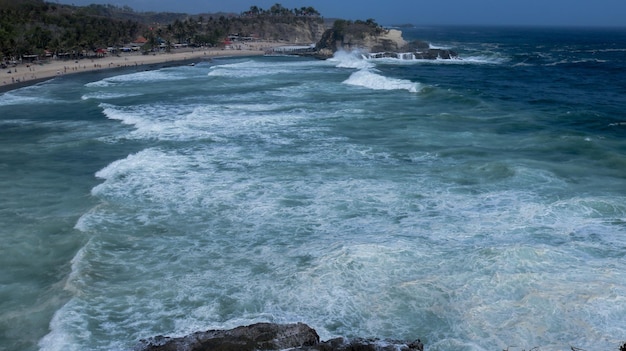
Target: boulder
260, 336
265, 336
434, 54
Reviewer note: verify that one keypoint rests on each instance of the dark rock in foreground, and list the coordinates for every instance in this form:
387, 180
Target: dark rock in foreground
265, 336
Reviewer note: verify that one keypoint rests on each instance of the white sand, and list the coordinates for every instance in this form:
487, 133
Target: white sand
24, 73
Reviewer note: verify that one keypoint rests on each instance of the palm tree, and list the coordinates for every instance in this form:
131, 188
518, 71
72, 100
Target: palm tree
254, 10
278, 9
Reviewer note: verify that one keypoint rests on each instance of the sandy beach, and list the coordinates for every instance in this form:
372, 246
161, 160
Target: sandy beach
24, 74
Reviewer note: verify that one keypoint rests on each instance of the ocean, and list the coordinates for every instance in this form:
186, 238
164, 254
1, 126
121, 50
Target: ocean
477, 204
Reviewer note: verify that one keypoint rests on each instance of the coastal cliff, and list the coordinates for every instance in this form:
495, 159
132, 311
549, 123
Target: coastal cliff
347, 35
296, 31
266, 336
376, 41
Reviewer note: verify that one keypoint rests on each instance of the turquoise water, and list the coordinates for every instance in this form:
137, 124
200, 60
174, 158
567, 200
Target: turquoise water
477, 204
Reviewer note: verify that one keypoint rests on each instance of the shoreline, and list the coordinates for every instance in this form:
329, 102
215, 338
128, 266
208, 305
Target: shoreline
23, 74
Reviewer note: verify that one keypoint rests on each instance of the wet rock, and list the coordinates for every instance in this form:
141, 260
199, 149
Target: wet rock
265, 336
429, 54
260, 336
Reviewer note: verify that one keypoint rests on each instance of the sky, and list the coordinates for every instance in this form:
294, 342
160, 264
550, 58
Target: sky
419, 12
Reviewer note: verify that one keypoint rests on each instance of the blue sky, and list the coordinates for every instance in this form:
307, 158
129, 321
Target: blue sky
420, 12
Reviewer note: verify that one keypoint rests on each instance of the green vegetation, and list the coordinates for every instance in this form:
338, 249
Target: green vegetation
279, 10
36, 27
357, 28
33, 26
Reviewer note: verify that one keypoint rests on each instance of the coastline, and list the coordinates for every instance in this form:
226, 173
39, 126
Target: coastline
23, 74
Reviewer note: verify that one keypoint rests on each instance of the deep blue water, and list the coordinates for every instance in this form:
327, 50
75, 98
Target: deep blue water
478, 204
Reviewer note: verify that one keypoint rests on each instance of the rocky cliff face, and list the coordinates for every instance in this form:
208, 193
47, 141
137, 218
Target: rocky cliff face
298, 31
377, 42
265, 336
389, 40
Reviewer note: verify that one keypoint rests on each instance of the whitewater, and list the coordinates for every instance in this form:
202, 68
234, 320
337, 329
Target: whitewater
477, 204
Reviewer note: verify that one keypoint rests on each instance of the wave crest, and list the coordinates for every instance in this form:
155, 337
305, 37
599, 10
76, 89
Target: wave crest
366, 75
371, 80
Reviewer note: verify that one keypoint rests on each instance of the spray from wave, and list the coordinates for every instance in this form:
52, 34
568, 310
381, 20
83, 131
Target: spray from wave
367, 76
371, 80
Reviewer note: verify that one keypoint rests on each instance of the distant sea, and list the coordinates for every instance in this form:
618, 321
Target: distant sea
477, 204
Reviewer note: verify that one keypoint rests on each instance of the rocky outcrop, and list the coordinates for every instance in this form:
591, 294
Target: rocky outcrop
428, 54
346, 35
260, 336
376, 42
265, 336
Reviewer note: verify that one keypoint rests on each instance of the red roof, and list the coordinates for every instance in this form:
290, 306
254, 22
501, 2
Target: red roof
141, 40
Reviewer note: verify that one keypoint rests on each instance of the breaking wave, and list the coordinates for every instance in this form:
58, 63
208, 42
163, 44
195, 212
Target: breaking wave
371, 80
367, 76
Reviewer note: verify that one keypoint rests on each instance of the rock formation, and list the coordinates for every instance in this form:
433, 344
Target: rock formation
265, 336
297, 31
428, 54
375, 41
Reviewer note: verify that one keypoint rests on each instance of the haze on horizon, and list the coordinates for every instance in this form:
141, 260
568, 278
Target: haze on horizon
585, 13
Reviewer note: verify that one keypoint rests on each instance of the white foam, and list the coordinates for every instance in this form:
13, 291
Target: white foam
148, 76
107, 95
201, 121
371, 80
143, 77
508, 260
27, 96
470, 60
125, 117
99, 84
354, 59
439, 47
165, 122
409, 58
16, 123
400, 255
68, 330
568, 61
478, 60
241, 69
8, 99
253, 68
159, 181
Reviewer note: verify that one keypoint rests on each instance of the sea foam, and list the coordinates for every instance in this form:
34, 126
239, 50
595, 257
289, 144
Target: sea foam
371, 80
107, 95
9, 99
252, 68
35, 94
353, 59
366, 75
441, 220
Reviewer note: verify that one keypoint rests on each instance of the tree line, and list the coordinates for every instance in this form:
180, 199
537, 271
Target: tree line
279, 10
36, 27
30, 27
